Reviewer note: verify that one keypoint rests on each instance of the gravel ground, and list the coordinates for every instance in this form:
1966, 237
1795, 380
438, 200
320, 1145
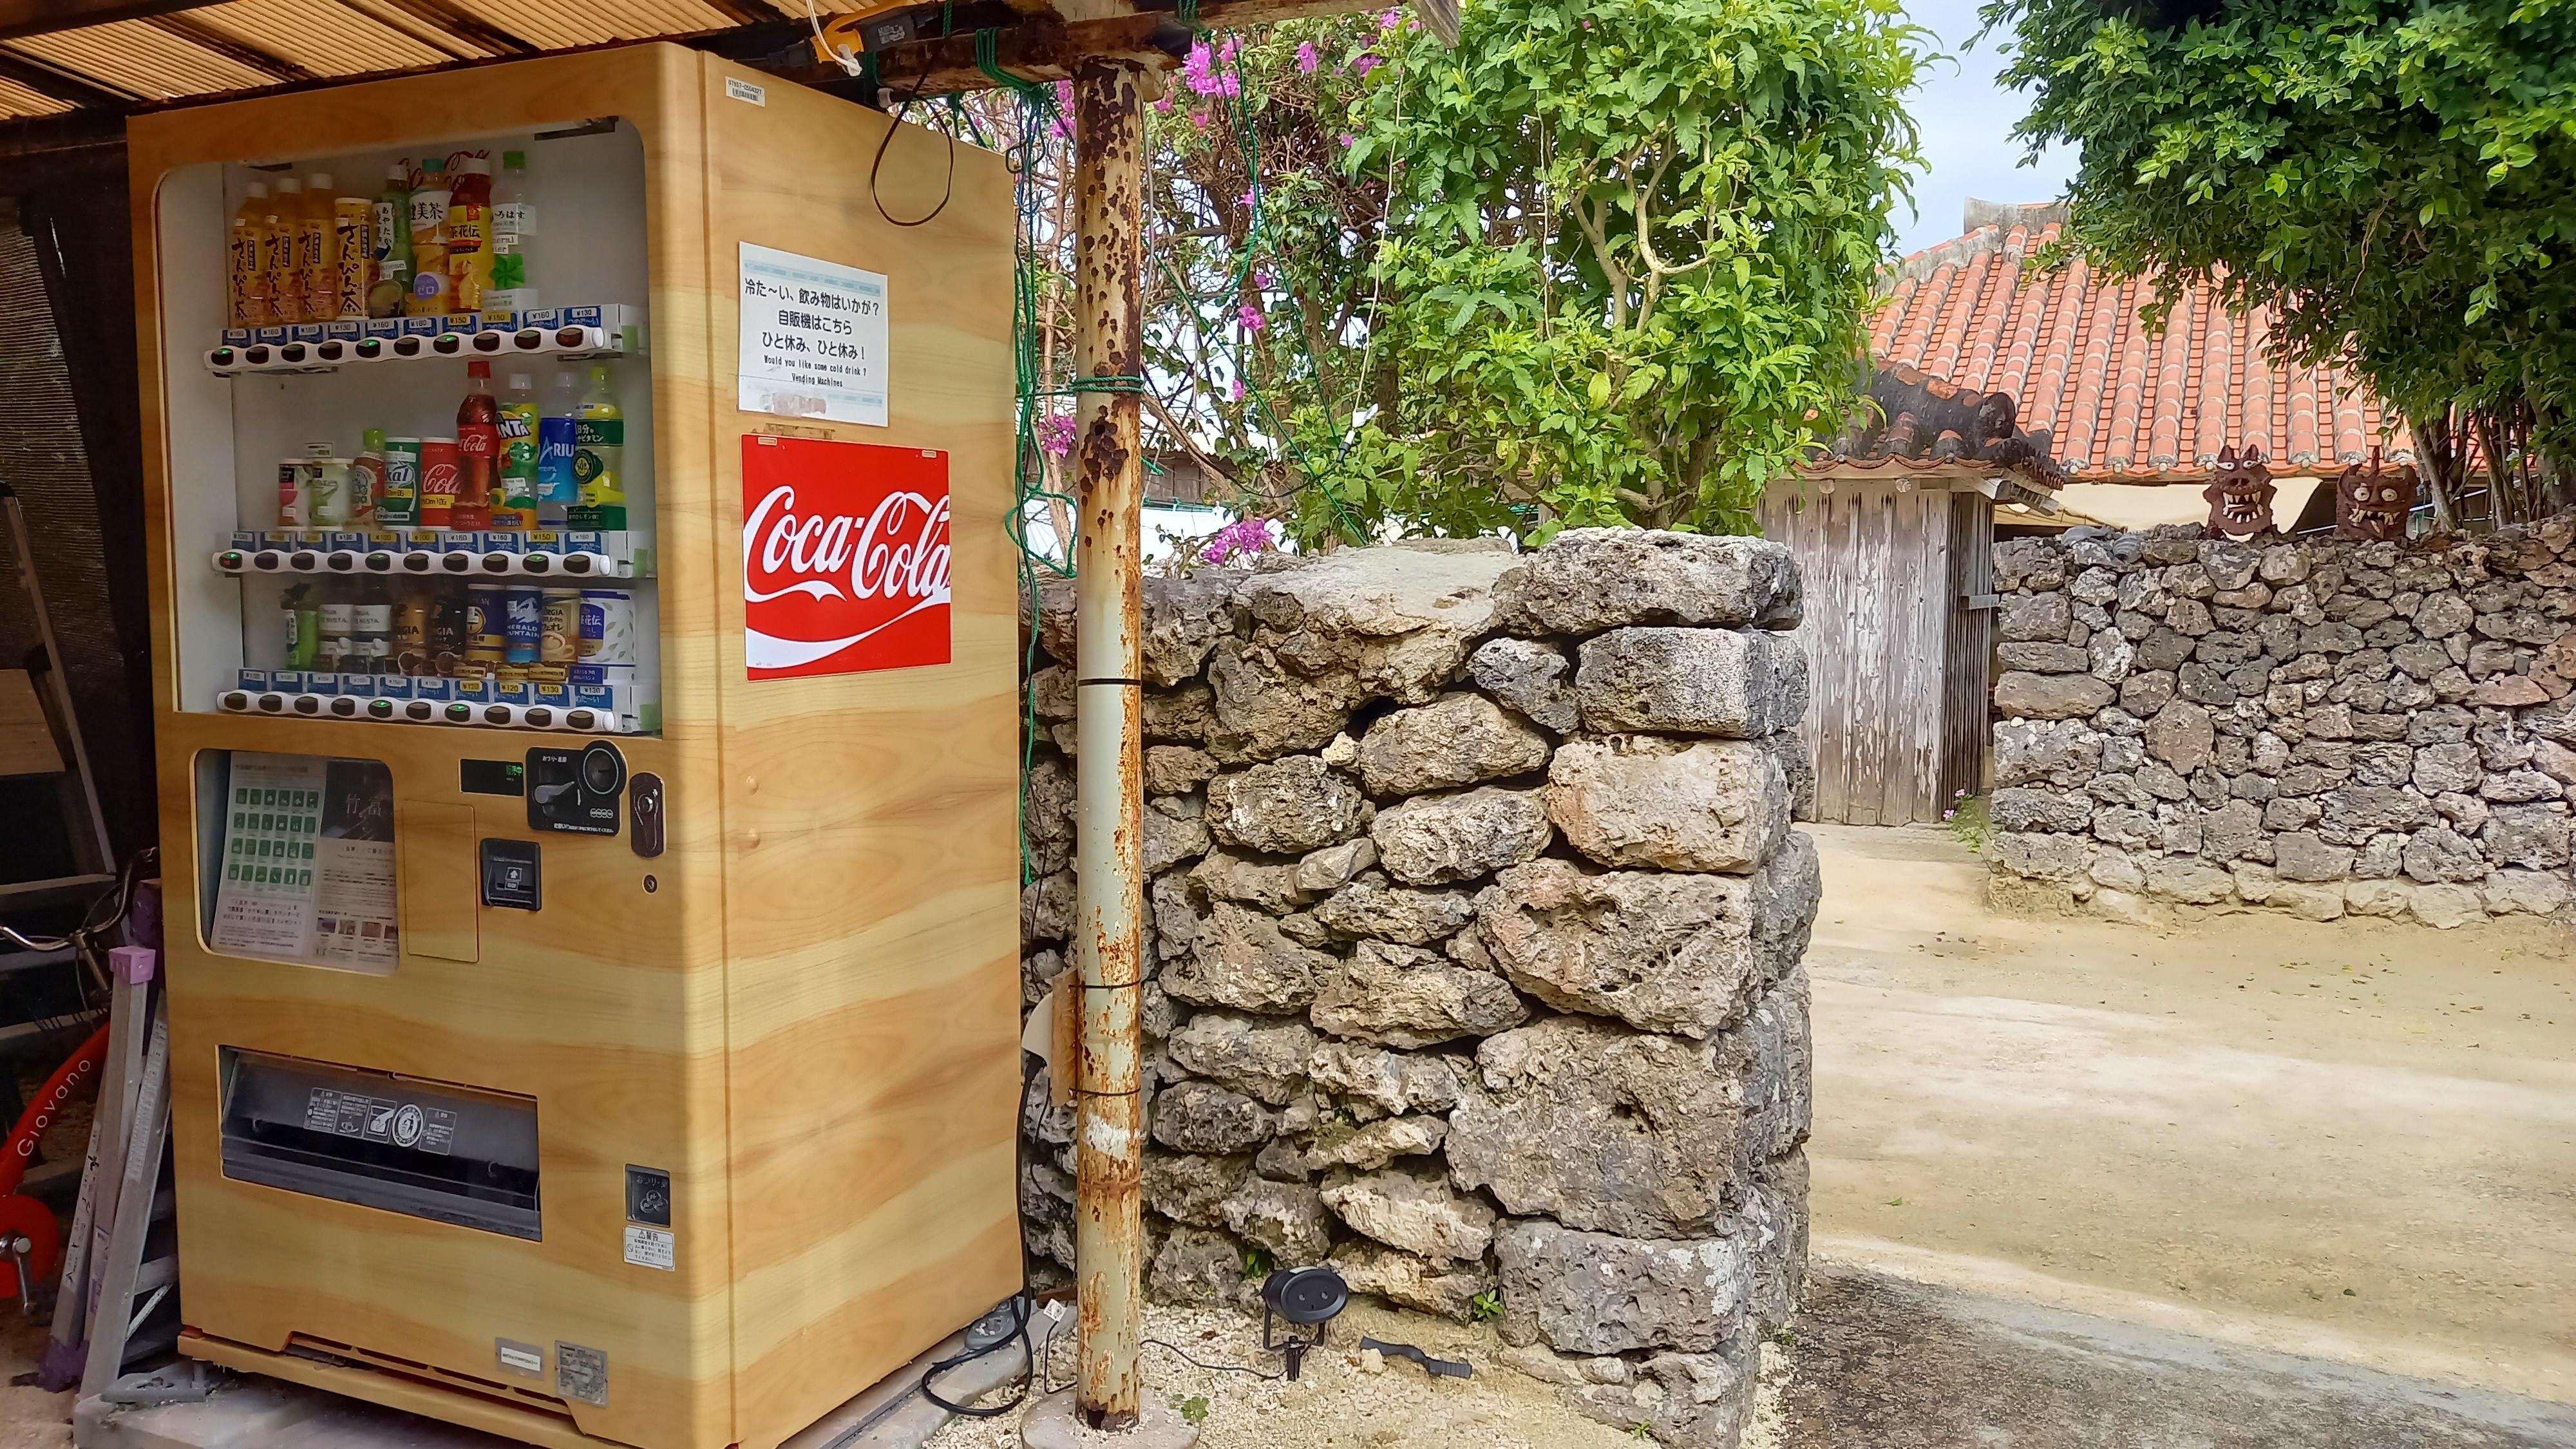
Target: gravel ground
1335, 1403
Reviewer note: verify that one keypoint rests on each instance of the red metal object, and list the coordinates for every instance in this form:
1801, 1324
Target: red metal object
60, 1090
24, 1215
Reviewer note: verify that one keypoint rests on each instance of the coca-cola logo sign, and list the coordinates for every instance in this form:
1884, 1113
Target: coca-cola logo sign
844, 556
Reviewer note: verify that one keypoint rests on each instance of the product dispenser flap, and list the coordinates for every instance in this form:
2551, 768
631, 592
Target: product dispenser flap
451, 1154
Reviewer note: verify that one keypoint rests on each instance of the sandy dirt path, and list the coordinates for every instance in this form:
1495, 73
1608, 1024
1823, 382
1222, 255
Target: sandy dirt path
2353, 1140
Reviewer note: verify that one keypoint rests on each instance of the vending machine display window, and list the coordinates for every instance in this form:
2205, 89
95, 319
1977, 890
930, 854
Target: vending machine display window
432, 499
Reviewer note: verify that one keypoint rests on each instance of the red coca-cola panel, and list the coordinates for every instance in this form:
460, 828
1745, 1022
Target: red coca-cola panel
844, 556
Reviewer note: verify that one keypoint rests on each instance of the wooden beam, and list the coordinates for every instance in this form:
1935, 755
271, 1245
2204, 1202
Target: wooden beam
1045, 49
464, 26
37, 17
46, 79
240, 52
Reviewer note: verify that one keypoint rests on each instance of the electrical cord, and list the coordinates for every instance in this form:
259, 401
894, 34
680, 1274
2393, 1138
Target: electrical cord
1020, 1332
1221, 1368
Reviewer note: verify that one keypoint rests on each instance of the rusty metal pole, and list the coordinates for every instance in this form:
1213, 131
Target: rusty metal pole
1109, 596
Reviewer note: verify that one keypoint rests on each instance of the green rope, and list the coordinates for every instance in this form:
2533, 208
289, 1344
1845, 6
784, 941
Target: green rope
1089, 384
987, 49
1188, 12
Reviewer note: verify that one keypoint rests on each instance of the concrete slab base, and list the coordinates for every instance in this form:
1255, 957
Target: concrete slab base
250, 1411
1053, 1424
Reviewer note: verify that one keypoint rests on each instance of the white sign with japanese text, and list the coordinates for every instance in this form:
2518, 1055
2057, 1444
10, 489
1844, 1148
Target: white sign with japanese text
813, 338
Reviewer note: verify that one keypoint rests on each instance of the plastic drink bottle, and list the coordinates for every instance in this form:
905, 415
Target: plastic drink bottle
352, 234
286, 251
599, 453
317, 248
557, 437
371, 628
469, 233
517, 505
478, 450
514, 222
248, 257
339, 624
429, 282
390, 287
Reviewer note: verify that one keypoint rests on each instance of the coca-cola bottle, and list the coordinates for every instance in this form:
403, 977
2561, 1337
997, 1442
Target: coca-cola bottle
478, 450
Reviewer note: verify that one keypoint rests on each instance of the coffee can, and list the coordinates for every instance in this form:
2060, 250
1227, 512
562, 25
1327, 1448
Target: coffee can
440, 476
560, 642
524, 622
400, 505
607, 627
487, 641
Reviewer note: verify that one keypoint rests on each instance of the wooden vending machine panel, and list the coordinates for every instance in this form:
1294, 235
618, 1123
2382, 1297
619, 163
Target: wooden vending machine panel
721, 1131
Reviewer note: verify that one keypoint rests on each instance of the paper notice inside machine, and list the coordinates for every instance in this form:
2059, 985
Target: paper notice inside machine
308, 862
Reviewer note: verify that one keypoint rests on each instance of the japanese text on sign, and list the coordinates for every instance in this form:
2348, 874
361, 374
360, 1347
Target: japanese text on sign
813, 338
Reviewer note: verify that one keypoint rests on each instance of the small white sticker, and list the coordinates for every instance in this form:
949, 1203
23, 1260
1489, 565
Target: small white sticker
521, 1358
743, 90
652, 1247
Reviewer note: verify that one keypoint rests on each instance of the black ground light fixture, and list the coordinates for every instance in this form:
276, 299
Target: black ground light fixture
1301, 1296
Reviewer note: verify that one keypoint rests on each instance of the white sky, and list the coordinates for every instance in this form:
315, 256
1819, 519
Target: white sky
1966, 121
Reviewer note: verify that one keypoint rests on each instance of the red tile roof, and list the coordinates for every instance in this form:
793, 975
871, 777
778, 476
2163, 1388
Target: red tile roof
2117, 403
1919, 426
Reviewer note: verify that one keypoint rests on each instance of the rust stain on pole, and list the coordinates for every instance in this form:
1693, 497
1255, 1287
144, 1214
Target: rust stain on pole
1109, 596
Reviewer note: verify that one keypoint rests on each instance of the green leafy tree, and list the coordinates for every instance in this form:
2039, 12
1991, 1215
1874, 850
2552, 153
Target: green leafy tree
1601, 263
1630, 255
2395, 179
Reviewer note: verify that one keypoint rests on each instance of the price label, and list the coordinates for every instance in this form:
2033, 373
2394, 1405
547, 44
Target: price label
813, 338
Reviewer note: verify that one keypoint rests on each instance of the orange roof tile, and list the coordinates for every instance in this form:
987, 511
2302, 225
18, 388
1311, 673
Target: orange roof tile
2118, 403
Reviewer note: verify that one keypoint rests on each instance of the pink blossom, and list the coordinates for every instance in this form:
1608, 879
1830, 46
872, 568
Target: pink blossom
1055, 433
1367, 61
1261, 278
1199, 70
1246, 535
1250, 315
1347, 138
1389, 20
1307, 59
1164, 105
1234, 389
1247, 199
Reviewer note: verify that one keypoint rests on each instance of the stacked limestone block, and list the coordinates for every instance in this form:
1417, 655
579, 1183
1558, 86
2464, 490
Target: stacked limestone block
1476, 925
2321, 727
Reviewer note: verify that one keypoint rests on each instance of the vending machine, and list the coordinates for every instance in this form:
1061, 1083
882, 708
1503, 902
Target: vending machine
584, 678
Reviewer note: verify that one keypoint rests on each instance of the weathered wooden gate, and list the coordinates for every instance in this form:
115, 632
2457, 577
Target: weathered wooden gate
1899, 639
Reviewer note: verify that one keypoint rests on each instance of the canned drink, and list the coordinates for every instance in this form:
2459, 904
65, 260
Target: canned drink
487, 640
411, 637
441, 474
400, 505
607, 627
524, 623
290, 493
561, 641
325, 482
447, 633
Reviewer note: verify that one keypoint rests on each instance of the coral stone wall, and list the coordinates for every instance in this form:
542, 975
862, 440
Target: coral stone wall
1475, 932
2318, 727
